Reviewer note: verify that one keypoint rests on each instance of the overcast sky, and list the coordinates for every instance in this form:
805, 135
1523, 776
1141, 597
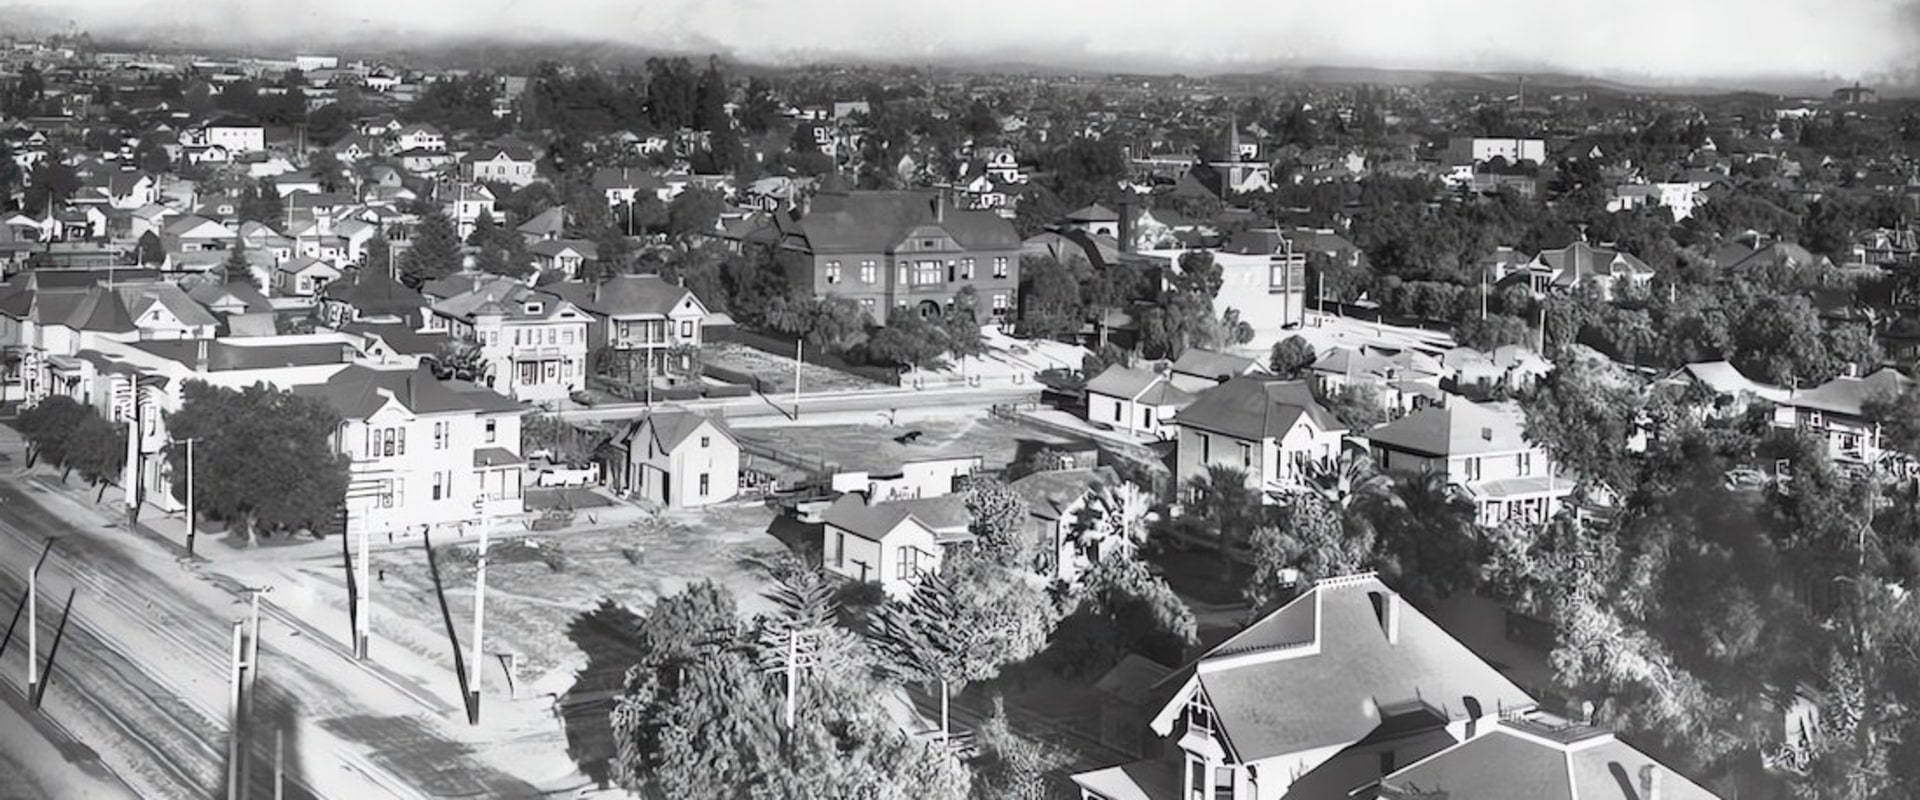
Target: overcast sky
1657, 39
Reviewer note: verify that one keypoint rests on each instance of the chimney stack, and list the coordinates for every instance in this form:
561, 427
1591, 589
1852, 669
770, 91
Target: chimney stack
940, 206
1387, 605
1125, 233
1649, 782
200, 356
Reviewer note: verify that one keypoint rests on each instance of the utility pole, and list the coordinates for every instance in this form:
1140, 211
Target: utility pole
233, 712
799, 358
363, 623
252, 668
193, 522
29, 602
479, 611
279, 764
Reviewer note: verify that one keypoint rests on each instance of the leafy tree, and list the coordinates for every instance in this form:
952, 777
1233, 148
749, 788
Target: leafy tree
434, 252
1050, 305
1496, 330
1356, 405
960, 626
829, 324
1291, 357
1121, 607
694, 211
962, 325
1111, 523
753, 281
1898, 416
98, 449
263, 204
1013, 767
49, 426
1310, 541
149, 251
911, 340
1223, 496
379, 252
263, 456
999, 523
554, 436
1428, 545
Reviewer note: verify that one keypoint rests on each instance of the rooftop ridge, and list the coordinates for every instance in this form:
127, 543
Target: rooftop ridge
1340, 581
1554, 729
1259, 648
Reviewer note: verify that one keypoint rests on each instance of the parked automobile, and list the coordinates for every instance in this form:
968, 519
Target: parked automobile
561, 475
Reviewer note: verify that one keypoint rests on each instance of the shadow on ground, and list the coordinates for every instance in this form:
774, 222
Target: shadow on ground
607, 635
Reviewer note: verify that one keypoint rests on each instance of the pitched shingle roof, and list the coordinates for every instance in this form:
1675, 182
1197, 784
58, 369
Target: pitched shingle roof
1525, 759
874, 222
638, 295
1459, 428
1253, 409
357, 392
1320, 672
945, 514
1209, 364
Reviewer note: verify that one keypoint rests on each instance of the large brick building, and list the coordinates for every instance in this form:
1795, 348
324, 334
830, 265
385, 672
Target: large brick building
889, 249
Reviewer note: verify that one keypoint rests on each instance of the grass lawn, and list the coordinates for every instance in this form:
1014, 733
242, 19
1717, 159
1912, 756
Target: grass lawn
874, 447
537, 587
776, 372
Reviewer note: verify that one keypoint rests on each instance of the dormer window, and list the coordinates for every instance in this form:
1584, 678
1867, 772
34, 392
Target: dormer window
534, 307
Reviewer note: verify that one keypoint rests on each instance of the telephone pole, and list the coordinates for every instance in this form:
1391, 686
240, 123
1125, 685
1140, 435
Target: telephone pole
235, 664
799, 358
479, 616
363, 621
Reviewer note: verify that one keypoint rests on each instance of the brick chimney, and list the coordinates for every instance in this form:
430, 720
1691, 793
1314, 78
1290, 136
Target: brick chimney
940, 206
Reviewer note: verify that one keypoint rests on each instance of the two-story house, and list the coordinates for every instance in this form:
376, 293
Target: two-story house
512, 164
623, 185
1274, 430
563, 257
1581, 266
1835, 411
641, 318
891, 543
1483, 450
1318, 699
421, 136
533, 344
678, 459
425, 453
893, 249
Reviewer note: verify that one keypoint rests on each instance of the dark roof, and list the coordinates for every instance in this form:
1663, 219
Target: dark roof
224, 356
1844, 395
400, 336
606, 178
671, 428
874, 222
1209, 364
1517, 760
1253, 409
627, 295
1050, 492
358, 391
375, 292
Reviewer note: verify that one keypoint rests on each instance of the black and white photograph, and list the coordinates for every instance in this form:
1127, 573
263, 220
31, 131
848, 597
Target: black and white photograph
1040, 400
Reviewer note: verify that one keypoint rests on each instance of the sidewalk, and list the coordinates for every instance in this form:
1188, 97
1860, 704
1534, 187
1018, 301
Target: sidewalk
519, 735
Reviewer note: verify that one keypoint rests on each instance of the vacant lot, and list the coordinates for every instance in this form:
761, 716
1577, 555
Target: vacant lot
538, 585
880, 447
776, 372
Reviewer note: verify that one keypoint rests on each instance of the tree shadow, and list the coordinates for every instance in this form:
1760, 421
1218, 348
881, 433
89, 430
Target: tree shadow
608, 637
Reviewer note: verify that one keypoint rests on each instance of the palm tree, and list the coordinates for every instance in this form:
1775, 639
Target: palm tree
1222, 497
1111, 523
1351, 479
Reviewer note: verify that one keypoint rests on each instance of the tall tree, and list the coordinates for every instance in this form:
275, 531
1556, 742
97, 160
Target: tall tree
49, 427
1050, 305
263, 456
1310, 541
694, 212
1291, 356
434, 252
999, 523
962, 324
149, 251
238, 268
911, 340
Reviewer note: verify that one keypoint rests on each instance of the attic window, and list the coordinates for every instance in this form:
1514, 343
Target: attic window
534, 307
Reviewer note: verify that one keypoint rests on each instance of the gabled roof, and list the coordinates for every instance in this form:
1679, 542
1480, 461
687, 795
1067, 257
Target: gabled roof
357, 392
1123, 382
1093, 213
640, 295
670, 429
1534, 759
1213, 366
400, 336
877, 221
943, 516
1580, 260
210, 293
1253, 409
1321, 672
554, 248
1723, 378
606, 178
505, 297
376, 292
1459, 428
1049, 493
1845, 395
551, 222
